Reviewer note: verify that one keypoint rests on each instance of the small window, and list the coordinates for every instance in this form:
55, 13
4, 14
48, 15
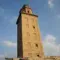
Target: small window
36, 45
38, 55
34, 27
28, 11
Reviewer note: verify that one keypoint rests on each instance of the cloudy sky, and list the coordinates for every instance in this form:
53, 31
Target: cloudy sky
49, 24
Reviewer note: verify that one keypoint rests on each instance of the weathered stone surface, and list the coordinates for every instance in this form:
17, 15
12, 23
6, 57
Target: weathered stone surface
28, 37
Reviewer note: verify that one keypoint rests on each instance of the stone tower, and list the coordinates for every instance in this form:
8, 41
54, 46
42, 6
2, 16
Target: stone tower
28, 35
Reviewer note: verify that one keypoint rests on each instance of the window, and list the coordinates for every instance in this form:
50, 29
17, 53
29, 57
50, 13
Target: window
36, 45
38, 55
34, 27
28, 11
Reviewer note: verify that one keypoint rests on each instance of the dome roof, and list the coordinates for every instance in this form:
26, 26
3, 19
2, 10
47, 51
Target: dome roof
26, 5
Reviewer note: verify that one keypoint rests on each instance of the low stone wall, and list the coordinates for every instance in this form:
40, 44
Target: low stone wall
45, 58
16, 58
52, 58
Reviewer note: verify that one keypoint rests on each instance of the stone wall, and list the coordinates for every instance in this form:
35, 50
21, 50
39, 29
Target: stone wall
16, 58
52, 58
45, 58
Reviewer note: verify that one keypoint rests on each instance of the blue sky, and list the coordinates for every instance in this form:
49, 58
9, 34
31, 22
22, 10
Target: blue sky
49, 24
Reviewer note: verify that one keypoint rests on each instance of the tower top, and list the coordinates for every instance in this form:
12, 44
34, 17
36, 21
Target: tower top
26, 5
26, 9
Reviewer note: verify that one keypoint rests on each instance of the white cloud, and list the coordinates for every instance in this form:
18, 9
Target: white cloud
50, 3
51, 48
10, 44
